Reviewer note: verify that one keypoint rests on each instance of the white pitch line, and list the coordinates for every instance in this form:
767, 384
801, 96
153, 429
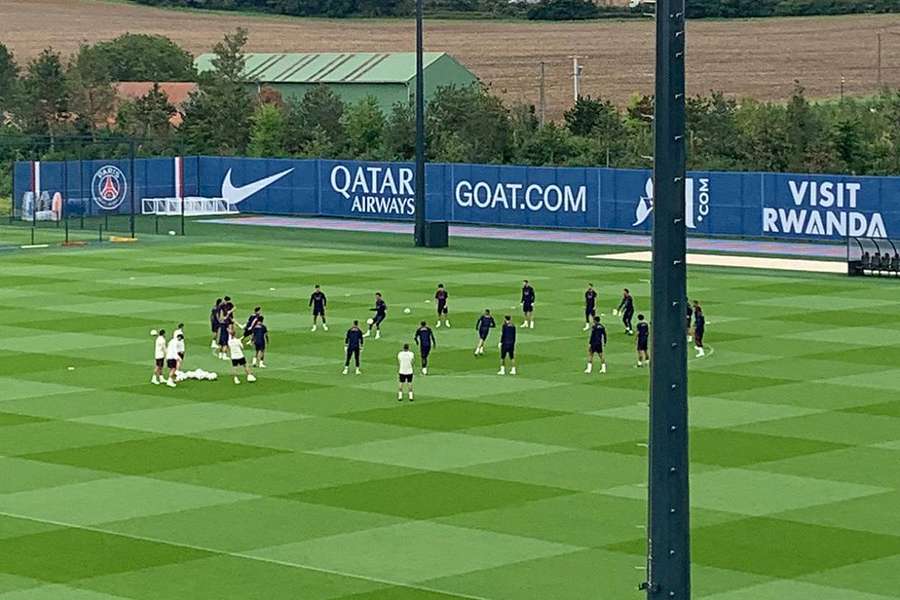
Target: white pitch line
274, 561
731, 260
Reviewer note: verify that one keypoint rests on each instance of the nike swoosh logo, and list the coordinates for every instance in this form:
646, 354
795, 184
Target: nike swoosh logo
233, 195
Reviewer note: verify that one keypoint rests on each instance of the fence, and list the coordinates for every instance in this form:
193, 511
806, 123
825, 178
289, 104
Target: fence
785, 206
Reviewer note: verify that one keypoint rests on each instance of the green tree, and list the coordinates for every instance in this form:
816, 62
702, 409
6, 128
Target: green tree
550, 145
400, 133
714, 140
143, 57
365, 123
9, 79
267, 132
148, 118
320, 108
44, 102
470, 118
91, 92
217, 115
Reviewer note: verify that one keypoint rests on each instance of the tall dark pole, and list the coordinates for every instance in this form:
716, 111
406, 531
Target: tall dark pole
420, 128
668, 531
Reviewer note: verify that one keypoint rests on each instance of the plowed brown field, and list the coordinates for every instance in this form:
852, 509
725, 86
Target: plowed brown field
759, 58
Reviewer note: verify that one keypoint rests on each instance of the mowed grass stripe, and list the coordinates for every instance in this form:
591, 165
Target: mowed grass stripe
553, 455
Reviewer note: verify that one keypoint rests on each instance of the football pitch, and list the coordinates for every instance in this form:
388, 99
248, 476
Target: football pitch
313, 485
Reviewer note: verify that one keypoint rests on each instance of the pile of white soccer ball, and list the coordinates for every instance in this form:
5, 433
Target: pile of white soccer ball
198, 374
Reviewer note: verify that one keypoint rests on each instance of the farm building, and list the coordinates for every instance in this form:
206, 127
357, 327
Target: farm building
390, 78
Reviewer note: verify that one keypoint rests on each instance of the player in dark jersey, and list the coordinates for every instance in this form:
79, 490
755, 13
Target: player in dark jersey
318, 302
440, 297
260, 335
590, 306
527, 302
425, 340
353, 343
596, 345
689, 314
626, 309
214, 324
483, 326
251, 321
507, 346
226, 320
643, 342
699, 329
380, 311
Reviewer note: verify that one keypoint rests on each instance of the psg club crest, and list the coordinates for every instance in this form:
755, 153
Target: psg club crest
109, 187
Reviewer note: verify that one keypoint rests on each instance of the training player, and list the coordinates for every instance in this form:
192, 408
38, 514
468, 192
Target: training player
260, 335
688, 316
643, 342
226, 320
425, 340
318, 301
159, 357
380, 311
172, 359
251, 321
236, 350
626, 309
214, 324
440, 297
590, 306
406, 358
483, 326
353, 343
507, 346
528, 304
699, 329
595, 346
179, 333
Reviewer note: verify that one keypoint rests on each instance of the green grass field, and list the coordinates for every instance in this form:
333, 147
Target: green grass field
312, 485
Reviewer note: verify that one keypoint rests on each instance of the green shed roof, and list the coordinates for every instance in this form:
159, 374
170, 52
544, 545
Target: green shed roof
332, 67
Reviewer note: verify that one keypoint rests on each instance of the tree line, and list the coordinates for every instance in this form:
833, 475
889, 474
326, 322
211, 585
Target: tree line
60, 100
543, 10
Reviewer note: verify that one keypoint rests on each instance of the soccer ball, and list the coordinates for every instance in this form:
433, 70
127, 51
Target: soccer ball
171, 232
153, 333
406, 311
370, 321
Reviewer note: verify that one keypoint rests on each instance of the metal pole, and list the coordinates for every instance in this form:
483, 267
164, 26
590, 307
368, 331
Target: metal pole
543, 97
843, 81
575, 70
132, 182
668, 532
420, 128
878, 60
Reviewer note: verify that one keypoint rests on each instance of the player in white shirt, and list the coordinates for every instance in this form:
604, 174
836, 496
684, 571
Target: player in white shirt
179, 331
236, 350
406, 359
172, 358
159, 356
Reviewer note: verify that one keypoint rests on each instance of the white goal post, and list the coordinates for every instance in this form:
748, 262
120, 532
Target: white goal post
194, 206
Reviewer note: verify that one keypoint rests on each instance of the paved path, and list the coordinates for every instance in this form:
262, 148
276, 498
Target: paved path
600, 238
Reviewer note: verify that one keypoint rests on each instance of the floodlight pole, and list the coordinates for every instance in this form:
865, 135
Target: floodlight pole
420, 128
668, 531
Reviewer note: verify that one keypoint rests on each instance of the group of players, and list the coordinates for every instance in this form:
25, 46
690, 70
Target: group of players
228, 345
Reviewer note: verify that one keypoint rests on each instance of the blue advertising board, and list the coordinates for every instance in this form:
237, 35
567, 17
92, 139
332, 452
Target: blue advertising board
776, 205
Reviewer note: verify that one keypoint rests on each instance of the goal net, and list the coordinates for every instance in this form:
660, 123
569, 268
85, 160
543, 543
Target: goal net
192, 206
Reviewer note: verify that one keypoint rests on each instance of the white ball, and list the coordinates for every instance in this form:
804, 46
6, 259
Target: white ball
171, 232
406, 311
370, 321
153, 332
